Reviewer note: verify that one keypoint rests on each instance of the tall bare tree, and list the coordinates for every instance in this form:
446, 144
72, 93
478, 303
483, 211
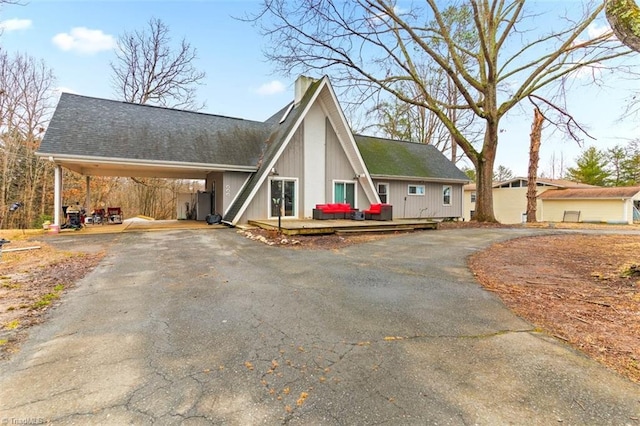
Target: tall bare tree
25, 105
560, 120
149, 69
378, 46
398, 119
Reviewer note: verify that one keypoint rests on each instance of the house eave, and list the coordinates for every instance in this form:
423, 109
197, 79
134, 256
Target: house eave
113, 166
417, 179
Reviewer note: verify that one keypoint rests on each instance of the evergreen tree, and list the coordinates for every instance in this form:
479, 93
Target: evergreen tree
592, 168
630, 165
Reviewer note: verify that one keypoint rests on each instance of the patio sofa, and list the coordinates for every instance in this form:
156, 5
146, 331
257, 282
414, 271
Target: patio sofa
379, 212
332, 211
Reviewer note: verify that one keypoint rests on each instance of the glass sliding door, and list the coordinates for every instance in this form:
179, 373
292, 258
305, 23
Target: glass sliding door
283, 197
344, 192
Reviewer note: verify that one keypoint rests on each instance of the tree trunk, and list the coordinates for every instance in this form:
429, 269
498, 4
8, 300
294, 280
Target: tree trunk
534, 158
484, 162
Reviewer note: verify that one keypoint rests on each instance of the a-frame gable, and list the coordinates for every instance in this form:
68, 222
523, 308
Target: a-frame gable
322, 92
345, 136
278, 142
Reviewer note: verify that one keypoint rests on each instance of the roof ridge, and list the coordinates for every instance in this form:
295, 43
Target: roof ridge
161, 107
389, 139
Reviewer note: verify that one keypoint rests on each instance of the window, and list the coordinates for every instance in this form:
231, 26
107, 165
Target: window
416, 190
446, 195
383, 192
344, 192
283, 198
473, 197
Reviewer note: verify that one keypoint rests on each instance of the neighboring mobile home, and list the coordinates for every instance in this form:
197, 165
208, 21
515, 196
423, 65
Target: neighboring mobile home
303, 155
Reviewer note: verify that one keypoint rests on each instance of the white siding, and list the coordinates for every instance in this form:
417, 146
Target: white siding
610, 211
228, 187
509, 204
313, 182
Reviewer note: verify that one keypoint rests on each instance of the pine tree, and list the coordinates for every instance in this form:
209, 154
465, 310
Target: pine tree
592, 168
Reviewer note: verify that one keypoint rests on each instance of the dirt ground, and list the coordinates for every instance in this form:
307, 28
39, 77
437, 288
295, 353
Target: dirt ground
583, 289
31, 283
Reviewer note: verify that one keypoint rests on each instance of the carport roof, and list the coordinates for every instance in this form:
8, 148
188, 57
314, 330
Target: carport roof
104, 137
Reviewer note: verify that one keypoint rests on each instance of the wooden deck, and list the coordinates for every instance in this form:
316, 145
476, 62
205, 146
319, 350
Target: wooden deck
338, 226
139, 226
288, 226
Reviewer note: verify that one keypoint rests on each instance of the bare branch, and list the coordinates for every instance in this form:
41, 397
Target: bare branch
148, 69
373, 46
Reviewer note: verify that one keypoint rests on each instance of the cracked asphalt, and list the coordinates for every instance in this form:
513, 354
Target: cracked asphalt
193, 327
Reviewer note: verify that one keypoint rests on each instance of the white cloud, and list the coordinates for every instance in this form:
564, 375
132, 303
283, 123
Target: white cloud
379, 18
594, 30
83, 40
15, 24
272, 88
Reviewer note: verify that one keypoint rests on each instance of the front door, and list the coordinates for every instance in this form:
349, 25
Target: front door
283, 198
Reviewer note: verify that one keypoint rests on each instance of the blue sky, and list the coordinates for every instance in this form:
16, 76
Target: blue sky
76, 39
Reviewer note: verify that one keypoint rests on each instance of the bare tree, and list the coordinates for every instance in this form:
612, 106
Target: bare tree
411, 122
535, 140
149, 70
376, 46
562, 121
25, 106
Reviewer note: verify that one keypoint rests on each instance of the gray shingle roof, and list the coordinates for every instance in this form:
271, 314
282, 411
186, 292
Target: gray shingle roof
85, 126
386, 157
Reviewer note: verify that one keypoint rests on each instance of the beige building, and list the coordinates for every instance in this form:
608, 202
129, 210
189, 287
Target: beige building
603, 205
510, 198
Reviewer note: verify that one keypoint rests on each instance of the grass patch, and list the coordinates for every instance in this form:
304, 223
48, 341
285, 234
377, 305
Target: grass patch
3, 342
10, 285
49, 297
12, 325
45, 301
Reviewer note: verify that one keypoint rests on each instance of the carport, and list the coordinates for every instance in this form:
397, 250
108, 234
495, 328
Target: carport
98, 137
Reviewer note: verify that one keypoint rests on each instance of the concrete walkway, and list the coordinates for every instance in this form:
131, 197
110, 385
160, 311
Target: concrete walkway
191, 327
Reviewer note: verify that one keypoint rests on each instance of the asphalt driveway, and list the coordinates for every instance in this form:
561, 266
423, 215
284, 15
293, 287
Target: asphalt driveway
207, 327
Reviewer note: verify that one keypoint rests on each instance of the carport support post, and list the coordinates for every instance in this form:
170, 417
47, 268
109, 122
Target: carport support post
57, 194
87, 199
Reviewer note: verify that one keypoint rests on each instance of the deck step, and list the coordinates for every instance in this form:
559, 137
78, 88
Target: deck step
375, 229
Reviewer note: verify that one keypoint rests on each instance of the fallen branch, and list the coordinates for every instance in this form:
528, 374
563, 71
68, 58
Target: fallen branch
597, 303
20, 249
560, 337
579, 319
578, 402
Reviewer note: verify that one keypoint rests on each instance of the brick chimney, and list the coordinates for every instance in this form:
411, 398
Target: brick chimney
302, 84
